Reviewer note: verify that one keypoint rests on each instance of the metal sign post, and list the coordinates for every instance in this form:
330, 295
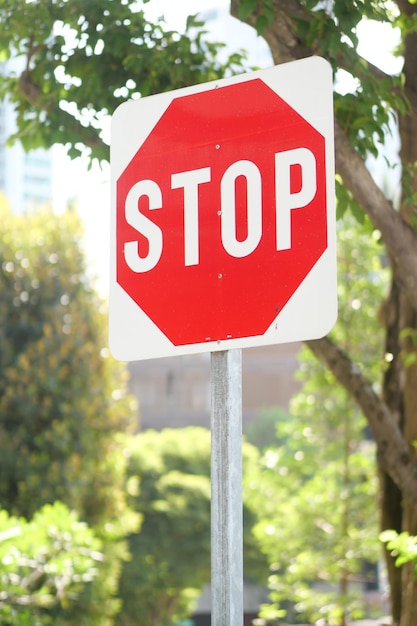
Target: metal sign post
226, 489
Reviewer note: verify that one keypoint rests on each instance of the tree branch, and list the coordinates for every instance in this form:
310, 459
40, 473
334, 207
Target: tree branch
394, 455
398, 236
31, 92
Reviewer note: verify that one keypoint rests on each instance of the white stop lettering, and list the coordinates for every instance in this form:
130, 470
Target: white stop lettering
190, 181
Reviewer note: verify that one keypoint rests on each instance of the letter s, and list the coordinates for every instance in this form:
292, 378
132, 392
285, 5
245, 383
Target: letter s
143, 225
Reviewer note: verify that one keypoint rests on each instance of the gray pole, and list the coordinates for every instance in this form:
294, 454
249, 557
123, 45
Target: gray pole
226, 489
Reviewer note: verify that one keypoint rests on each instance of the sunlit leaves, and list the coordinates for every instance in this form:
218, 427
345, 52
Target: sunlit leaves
402, 546
85, 59
45, 563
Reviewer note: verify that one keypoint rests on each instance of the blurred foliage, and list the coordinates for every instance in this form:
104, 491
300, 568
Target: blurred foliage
316, 495
45, 563
169, 486
262, 430
58, 384
63, 399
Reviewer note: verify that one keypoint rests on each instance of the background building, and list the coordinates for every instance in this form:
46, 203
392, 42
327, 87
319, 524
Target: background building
175, 392
25, 177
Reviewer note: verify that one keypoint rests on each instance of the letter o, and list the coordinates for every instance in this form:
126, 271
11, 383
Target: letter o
228, 208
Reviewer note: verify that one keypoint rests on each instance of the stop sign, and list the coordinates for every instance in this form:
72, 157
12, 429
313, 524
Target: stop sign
223, 214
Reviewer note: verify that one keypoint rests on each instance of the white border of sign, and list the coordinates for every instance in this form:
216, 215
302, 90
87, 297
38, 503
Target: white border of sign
307, 86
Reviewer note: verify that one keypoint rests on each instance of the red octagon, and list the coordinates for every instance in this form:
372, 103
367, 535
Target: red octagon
217, 295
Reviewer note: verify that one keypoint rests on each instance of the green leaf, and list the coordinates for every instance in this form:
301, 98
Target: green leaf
261, 23
246, 8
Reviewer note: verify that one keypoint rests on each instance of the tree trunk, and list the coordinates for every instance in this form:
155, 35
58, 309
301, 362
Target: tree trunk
391, 514
392, 415
391, 518
407, 314
409, 583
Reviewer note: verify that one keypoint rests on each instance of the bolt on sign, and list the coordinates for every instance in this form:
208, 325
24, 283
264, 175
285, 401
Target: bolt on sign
223, 218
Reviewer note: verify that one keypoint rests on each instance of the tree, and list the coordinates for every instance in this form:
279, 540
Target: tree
59, 420
324, 489
95, 56
113, 44
296, 29
319, 477
169, 485
57, 382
